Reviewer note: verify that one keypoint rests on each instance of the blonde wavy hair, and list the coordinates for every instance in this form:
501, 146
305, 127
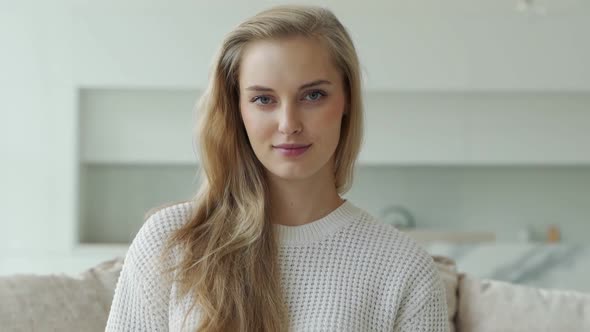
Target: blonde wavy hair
227, 248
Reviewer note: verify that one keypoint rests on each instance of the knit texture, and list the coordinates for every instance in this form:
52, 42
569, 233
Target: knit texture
344, 272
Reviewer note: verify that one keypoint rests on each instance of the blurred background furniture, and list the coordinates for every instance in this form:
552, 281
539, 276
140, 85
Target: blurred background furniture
81, 302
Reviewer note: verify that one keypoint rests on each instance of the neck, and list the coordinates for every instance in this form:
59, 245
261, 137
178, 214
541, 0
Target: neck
298, 202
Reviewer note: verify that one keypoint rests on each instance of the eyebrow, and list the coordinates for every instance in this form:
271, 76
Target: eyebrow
304, 86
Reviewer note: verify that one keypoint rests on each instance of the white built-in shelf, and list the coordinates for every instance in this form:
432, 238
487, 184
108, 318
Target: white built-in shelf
152, 126
427, 236
138, 148
100, 249
477, 128
136, 153
128, 126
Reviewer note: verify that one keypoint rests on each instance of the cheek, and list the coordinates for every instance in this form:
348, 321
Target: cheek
331, 119
257, 127
247, 120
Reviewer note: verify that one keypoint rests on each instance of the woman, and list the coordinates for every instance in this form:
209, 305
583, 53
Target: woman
268, 244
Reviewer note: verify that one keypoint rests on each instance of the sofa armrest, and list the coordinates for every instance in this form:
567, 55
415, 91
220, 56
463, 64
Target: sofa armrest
489, 305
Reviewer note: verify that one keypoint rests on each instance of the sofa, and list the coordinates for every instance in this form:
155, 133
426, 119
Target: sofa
82, 302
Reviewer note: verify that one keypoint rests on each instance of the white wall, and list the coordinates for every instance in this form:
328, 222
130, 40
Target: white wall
50, 49
37, 142
402, 44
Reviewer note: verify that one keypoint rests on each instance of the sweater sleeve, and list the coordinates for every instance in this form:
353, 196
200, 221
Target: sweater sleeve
431, 316
425, 308
141, 298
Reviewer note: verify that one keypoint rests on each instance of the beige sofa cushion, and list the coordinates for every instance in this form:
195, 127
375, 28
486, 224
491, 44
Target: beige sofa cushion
488, 305
450, 278
66, 303
59, 302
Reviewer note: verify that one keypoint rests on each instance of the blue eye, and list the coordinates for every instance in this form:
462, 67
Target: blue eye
262, 100
315, 95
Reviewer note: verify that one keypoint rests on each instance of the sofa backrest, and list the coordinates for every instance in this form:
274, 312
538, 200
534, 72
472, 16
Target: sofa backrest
59, 302
82, 303
490, 305
450, 278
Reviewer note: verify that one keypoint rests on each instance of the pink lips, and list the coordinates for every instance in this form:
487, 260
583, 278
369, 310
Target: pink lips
292, 150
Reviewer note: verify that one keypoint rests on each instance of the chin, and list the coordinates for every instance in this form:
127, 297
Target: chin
303, 169
292, 173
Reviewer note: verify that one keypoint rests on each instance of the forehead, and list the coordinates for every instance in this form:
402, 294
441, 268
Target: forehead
286, 63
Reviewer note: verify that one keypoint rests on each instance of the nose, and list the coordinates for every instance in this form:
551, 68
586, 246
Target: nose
289, 120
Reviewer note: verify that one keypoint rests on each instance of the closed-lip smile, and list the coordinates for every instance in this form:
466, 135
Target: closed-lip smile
291, 146
291, 150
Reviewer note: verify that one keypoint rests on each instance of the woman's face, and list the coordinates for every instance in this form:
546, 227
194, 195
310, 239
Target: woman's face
292, 101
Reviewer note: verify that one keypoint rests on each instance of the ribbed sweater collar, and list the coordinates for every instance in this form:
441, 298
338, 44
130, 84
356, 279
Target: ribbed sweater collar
318, 229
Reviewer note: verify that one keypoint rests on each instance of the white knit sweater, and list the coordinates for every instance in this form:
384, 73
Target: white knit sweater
343, 272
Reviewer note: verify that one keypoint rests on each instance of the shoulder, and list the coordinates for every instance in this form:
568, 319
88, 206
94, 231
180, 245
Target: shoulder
163, 221
410, 270
149, 242
142, 293
405, 258
389, 239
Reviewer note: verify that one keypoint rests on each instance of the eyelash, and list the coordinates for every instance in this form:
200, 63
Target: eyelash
320, 92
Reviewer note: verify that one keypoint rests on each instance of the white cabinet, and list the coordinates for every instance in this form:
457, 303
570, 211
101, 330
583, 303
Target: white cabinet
77, 260
487, 128
137, 126
136, 147
413, 128
530, 128
137, 152
156, 126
